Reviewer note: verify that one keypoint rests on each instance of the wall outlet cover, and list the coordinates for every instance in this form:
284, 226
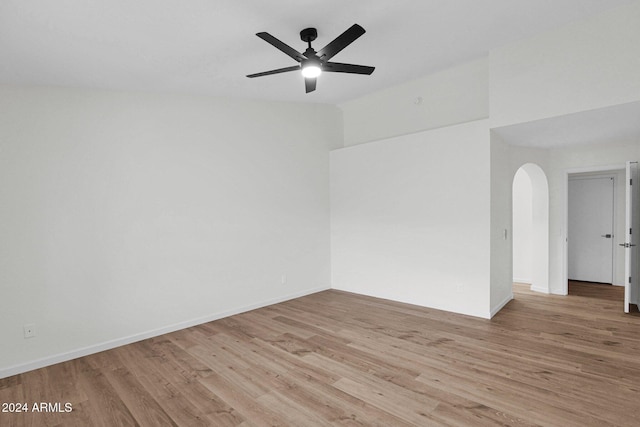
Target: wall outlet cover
29, 330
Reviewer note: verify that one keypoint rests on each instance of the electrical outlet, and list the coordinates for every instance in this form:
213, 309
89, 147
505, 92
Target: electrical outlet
29, 330
284, 279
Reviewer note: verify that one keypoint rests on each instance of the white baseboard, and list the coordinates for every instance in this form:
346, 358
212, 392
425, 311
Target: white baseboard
500, 306
521, 280
108, 345
540, 290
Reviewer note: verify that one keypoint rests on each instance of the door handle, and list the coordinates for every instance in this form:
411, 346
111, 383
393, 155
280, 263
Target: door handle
608, 236
626, 245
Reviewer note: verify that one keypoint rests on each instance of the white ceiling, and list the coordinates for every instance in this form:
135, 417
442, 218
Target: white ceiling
208, 46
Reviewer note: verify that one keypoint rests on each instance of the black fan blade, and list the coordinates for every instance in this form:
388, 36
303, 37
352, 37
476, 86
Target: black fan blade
340, 42
310, 84
281, 46
336, 67
279, 70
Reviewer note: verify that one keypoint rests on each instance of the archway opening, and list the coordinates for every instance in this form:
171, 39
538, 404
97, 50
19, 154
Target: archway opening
530, 191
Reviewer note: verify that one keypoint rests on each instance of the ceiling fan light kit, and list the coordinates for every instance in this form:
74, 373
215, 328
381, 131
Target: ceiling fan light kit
312, 63
311, 68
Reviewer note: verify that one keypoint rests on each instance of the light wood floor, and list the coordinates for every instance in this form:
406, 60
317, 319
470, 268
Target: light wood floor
335, 358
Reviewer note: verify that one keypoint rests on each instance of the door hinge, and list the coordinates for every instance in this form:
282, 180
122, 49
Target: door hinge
629, 279
631, 181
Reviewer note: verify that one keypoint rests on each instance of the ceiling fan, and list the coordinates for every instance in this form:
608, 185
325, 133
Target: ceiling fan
313, 63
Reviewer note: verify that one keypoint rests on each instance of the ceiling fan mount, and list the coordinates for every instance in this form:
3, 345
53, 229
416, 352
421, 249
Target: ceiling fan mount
308, 35
312, 63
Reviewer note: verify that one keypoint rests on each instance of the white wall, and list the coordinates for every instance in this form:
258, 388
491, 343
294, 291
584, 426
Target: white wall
583, 66
457, 95
123, 215
501, 226
410, 218
579, 68
522, 227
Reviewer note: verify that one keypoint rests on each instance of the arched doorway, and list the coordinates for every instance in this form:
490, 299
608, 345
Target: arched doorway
531, 227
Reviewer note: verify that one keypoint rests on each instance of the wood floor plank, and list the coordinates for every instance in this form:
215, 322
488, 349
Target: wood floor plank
335, 358
144, 408
179, 393
477, 415
246, 405
411, 411
107, 407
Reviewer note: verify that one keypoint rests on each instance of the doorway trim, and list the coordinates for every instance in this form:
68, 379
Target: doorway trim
564, 288
611, 175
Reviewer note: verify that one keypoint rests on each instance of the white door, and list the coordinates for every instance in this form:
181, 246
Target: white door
591, 229
632, 228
